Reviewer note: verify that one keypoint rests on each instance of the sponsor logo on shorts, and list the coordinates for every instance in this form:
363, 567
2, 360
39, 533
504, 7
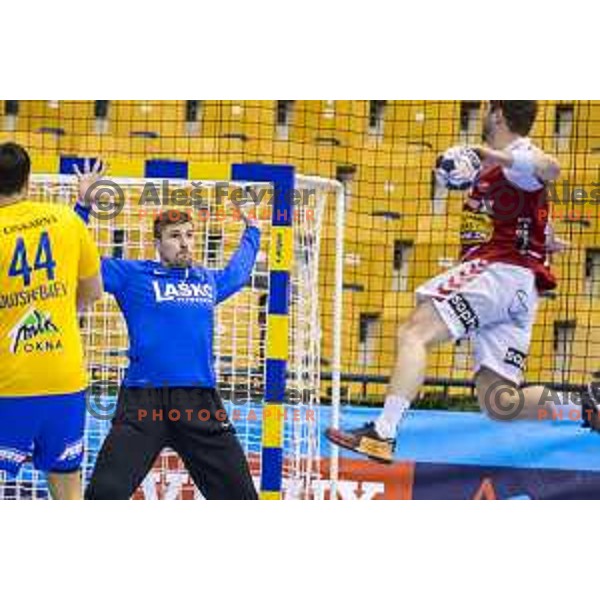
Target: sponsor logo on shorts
515, 358
462, 309
11, 455
519, 304
72, 451
182, 292
35, 332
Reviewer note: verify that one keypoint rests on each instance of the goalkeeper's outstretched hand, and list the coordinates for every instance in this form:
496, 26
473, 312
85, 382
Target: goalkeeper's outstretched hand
248, 221
88, 178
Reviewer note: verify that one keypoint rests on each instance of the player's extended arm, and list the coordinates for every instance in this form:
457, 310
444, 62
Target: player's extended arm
237, 272
114, 271
86, 183
89, 282
555, 244
534, 162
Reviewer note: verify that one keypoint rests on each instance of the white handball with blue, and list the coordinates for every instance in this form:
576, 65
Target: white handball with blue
458, 168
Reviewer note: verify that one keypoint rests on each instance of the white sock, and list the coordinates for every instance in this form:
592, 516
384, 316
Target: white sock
394, 409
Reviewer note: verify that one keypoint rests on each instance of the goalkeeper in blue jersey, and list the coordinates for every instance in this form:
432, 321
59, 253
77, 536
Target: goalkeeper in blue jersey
168, 397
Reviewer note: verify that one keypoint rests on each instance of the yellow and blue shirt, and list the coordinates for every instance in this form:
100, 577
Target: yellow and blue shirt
44, 250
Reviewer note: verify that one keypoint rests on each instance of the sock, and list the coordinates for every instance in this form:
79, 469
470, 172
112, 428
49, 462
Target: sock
394, 409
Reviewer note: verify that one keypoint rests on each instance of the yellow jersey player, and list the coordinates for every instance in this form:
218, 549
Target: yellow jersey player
49, 266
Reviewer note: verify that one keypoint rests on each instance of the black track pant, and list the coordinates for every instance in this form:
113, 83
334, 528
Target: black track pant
191, 421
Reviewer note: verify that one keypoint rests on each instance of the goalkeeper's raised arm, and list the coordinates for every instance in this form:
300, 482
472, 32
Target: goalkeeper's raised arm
227, 281
86, 181
239, 269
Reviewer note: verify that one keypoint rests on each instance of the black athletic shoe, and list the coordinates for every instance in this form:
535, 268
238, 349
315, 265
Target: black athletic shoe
589, 408
364, 440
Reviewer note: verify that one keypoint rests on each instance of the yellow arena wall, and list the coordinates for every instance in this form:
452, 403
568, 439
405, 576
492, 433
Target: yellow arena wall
398, 232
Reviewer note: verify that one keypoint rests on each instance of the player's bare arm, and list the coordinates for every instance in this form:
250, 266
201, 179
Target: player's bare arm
544, 166
89, 290
555, 244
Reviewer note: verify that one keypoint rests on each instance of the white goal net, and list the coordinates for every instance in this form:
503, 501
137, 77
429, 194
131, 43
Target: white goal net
241, 326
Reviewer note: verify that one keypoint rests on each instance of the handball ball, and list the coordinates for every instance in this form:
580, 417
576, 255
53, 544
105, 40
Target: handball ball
458, 168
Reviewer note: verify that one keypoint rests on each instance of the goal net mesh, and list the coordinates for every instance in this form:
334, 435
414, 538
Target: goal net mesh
240, 327
401, 228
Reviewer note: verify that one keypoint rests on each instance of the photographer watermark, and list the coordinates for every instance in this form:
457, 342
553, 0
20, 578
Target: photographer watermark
155, 404
505, 402
504, 202
563, 201
107, 198
100, 406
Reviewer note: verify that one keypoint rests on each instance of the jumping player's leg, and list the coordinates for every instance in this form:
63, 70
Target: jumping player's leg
457, 304
453, 306
424, 329
505, 400
500, 353
590, 404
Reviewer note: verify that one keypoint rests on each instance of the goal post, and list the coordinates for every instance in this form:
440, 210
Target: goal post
283, 333
267, 337
338, 213
281, 257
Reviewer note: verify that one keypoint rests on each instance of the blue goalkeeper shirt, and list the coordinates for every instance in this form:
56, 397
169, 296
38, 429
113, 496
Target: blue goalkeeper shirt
170, 313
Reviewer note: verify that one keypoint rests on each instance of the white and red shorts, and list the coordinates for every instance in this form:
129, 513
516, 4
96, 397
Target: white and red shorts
492, 303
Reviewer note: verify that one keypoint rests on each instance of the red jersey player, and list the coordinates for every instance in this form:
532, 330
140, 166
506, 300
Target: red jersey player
492, 295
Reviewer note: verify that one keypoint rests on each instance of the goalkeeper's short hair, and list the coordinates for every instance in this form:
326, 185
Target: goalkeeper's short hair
169, 217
